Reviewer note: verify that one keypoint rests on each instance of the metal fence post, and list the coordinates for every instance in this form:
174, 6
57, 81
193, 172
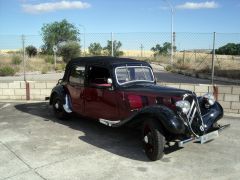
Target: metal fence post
24, 61
24, 70
112, 43
141, 47
213, 56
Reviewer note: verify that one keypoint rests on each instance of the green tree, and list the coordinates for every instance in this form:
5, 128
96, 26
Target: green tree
95, 49
116, 48
56, 33
31, 51
69, 50
162, 50
229, 49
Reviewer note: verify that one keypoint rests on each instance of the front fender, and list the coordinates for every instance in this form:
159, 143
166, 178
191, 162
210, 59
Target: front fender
212, 115
167, 118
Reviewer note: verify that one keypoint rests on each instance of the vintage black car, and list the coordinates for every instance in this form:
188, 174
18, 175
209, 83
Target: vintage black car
123, 91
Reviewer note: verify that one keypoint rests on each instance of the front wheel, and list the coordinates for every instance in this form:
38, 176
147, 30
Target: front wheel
153, 140
58, 109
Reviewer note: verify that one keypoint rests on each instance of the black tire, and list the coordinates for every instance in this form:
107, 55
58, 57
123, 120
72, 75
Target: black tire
58, 109
153, 140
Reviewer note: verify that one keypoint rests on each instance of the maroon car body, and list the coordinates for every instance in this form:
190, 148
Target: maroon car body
122, 91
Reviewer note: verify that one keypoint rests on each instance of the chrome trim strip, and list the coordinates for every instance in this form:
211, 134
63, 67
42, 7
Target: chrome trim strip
121, 67
193, 115
189, 113
107, 122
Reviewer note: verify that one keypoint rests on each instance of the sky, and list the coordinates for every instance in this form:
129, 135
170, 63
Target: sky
120, 16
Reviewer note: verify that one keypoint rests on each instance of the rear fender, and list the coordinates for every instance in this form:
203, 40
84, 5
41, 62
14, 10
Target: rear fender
58, 91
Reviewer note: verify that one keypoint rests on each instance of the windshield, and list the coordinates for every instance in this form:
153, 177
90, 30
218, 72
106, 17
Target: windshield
127, 74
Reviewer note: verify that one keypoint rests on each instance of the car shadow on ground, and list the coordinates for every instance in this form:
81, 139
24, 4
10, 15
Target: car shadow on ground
124, 141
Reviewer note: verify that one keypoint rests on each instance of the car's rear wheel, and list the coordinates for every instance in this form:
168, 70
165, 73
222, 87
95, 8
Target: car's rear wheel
153, 140
58, 109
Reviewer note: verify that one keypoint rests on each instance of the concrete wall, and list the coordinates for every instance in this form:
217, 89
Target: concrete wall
17, 90
228, 96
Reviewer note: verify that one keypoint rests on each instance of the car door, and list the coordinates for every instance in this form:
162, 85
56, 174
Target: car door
76, 87
100, 98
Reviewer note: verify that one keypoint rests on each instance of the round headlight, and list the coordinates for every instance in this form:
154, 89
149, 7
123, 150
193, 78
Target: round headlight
209, 98
183, 105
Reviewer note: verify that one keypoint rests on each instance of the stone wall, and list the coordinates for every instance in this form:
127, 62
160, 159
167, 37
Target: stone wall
228, 96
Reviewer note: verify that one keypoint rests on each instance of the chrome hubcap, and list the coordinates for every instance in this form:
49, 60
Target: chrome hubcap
56, 105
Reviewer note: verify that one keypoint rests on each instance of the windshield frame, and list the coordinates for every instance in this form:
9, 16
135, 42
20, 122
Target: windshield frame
134, 81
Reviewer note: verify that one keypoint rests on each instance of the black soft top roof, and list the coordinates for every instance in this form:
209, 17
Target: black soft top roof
105, 60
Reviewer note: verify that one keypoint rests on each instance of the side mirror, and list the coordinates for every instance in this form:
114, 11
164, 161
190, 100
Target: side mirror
109, 81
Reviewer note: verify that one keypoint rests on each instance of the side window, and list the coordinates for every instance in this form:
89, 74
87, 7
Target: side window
98, 75
77, 75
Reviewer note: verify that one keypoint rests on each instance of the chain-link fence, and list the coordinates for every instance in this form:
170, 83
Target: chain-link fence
192, 51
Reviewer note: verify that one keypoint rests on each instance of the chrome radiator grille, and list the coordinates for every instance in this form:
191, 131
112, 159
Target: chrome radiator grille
194, 117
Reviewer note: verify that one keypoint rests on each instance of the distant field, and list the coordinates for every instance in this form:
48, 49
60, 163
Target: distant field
225, 65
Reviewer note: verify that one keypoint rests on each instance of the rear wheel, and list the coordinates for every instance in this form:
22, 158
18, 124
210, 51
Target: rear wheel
153, 140
58, 109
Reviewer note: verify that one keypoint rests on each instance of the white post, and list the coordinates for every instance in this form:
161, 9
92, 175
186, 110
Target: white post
55, 61
55, 56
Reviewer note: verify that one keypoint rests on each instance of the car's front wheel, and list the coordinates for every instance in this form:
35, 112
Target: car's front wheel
58, 109
153, 140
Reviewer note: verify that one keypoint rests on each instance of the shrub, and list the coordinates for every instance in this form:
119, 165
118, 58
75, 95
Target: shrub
31, 51
60, 67
69, 50
168, 68
7, 71
16, 60
44, 70
49, 59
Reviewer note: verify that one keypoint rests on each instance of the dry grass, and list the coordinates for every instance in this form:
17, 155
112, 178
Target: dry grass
228, 66
35, 64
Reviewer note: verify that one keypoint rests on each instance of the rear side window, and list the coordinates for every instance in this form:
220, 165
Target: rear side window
98, 75
77, 75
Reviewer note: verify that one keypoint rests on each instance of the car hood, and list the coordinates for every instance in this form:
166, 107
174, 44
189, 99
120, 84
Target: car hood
156, 89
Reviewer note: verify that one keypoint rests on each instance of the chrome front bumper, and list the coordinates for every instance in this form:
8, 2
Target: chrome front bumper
204, 138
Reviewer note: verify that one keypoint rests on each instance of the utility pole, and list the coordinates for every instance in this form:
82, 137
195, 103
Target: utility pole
84, 34
141, 47
213, 56
172, 13
112, 53
24, 60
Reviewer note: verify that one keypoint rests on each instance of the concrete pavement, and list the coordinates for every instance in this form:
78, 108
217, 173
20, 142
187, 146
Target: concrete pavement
35, 145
